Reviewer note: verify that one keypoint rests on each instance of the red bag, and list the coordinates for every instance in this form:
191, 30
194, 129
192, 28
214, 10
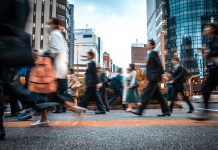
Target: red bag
42, 77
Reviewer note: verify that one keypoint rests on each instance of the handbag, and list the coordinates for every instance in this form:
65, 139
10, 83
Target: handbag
15, 48
42, 76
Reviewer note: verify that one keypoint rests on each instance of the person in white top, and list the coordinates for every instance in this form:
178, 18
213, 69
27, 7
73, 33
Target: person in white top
57, 49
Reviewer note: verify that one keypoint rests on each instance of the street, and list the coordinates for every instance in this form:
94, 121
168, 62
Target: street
115, 130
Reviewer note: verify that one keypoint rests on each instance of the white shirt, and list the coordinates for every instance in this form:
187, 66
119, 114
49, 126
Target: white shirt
58, 47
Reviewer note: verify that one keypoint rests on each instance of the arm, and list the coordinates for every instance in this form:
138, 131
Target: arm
180, 75
158, 62
54, 44
133, 78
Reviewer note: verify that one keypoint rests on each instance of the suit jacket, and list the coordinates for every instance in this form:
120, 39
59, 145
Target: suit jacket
103, 80
154, 67
178, 78
91, 75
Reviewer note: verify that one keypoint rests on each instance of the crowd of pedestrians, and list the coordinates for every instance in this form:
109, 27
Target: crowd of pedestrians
47, 84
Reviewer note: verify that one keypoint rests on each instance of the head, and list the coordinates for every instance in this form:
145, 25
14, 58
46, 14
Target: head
120, 71
90, 55
53, 24
150, 45
71, 71
128, 70
175, 61
132, 67
211, 30
99, 68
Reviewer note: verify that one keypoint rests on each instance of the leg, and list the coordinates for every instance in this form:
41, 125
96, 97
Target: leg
105, 100
158, 96
186, 99
147, 95
172, 103
98, 100
207, 87
2, 130
85, 97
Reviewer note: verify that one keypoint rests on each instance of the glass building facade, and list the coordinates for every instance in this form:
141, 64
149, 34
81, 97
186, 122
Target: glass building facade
185, 22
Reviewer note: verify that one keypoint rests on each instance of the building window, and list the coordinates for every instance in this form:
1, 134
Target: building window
87, 36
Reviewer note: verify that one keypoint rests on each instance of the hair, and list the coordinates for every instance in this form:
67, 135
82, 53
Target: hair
132, 66
98, 66
91, 53
175, 59
71, 71
151, 41
56, 22
120, 70
215, 27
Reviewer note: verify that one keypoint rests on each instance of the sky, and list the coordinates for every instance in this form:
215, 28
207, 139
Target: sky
118, 22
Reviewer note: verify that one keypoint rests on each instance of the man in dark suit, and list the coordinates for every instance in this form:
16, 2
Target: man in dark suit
92, 85
179, 78
14, 13
154, 75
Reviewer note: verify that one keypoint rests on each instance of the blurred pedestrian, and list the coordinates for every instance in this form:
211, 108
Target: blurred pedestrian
73, 85
12, 14
132, 95
154, 75
57, 49
102, 91
92, 85
211, 54
178, 79
117, 87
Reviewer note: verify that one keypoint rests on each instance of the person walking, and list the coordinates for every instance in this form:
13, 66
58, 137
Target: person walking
117, 87
178, 80
57, 49
211, 54
102, 91
92, 85
73, 85
132, 95
154, 75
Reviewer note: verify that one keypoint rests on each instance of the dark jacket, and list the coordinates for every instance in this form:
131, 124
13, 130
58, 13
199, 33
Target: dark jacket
91, 75
178, 78
103, 80
213, 46
14, 12
154, 67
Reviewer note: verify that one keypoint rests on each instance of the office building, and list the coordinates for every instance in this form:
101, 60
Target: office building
71, 36
138, 56
41, 11
156, 25
185, 22
85, 40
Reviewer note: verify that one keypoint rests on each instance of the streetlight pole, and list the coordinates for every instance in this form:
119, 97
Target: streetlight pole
77, 60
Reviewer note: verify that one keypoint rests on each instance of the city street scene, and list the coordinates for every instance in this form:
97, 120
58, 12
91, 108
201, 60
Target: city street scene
108, 74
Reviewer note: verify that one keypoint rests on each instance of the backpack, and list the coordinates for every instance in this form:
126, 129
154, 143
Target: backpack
42, 76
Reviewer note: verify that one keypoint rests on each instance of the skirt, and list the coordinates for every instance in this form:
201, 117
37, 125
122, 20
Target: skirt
132, 95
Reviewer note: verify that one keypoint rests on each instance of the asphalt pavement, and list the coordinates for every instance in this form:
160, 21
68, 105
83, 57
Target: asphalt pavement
117, 130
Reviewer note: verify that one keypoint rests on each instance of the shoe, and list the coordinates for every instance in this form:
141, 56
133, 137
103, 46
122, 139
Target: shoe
201, 116
136, 112
190, 111
108, 110
164, 115
129, 110
79, 110
98, 112
2, 134
39, 123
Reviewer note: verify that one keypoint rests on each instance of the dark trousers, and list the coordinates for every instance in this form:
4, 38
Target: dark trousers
91, 93
152, 91
115, 95
184, 98
209, 85
1, 102
104, 98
